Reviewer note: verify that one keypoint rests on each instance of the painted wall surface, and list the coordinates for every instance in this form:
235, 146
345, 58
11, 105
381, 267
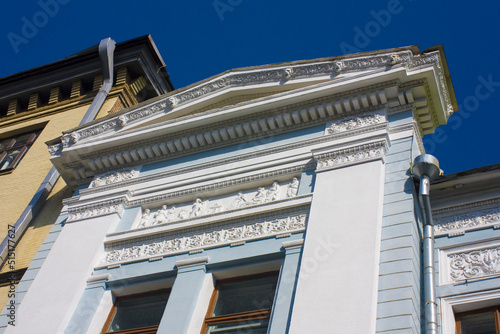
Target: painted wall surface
339, 268
61, 279
398, 306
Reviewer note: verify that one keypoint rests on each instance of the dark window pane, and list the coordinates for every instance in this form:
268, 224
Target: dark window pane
244, 296
5, 143
245, 327
478, 323
8, 159
138, 312
23, 139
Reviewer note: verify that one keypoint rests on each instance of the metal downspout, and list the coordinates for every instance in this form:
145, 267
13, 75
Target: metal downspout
106, 51
426, 169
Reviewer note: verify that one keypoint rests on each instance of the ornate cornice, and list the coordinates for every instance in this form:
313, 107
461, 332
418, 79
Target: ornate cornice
277, 75
351, 155
216, 238
474, 264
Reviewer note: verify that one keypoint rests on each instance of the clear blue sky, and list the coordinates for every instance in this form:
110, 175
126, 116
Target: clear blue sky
198, 39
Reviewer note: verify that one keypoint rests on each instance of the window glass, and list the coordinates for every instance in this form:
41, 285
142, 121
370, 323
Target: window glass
242, 306
138, 311
478, 322
245, 296
14, 148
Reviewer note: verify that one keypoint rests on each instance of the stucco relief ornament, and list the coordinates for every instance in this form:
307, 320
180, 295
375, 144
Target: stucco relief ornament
161, 216
198, 208
288, 73
351, 158
66, 140
122, 120
475, 264
273, 192
261, 196
240, 201
468, 220
352, 123
339, 66
55, 149
145, 219
96, 212
220, 237
293, 188
113, 177
172, 102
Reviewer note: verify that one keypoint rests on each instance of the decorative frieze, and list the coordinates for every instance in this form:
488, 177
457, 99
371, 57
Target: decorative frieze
113, 177
216, 238
467, 221
351, 156
474, 264
198, 208
96, 212
354, 122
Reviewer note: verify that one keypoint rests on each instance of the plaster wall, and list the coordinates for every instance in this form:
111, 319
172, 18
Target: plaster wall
339, 268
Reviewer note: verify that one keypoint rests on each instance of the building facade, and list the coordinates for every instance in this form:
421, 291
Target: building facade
269, 199
36, 106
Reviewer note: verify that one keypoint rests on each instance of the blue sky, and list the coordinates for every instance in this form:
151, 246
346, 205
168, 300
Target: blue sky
198, 39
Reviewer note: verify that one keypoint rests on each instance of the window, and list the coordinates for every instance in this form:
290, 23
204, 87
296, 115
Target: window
484, 321
13, 149
241, 306
137, 314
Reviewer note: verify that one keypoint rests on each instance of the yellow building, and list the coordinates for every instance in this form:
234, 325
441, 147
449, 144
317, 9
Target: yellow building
36, 106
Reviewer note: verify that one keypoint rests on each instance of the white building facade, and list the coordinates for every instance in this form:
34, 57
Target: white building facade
271, 199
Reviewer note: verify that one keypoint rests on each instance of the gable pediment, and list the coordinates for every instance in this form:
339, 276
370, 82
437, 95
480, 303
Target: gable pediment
245, 104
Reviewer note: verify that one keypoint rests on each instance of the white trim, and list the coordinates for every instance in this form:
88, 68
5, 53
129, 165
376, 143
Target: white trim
463, 303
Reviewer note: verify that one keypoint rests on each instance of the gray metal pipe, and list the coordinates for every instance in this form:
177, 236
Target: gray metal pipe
106, 51
428, 259
425, 169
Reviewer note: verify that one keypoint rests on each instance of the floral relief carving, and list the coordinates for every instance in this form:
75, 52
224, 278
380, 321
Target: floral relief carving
351, 123
96, 212
469, 220
216, 205
474, 264
344, 159
220, 237
113, 177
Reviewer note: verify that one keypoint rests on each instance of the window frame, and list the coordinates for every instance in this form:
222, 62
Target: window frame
23, 148
494, 309
139, 330
237, 317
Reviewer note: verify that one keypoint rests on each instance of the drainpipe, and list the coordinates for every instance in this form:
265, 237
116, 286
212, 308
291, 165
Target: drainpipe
425, 170
106, 50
